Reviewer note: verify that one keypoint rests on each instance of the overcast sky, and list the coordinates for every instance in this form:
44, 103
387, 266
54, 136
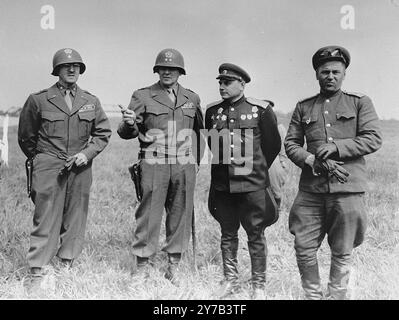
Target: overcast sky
273, 40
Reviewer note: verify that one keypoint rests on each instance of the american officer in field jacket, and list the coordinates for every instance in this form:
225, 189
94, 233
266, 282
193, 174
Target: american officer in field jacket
166, 118
339, 129
244, 140
62, 128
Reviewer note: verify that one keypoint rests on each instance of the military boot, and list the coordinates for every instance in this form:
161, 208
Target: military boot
230, 284
173, 263
142, 267
338, 284
310, 278
258, 279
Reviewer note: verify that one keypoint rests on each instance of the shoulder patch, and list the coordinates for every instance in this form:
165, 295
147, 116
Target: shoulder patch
259, 103
356, 94
41, 91
214, 104
306, 99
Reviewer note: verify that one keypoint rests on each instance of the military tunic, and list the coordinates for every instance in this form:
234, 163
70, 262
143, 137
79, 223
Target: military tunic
169, 136
244, 140
49, 132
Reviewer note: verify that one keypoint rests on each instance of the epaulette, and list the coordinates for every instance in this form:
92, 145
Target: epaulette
214, 104
306, 99
190, 90
87, 92
41, 91
142, 88
260, 103
356, 94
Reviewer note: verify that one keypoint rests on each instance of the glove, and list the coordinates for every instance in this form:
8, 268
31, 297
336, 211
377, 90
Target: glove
331, 168
326, 150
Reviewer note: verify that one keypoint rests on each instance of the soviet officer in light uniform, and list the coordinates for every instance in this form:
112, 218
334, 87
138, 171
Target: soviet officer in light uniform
244, 141
62, 128
339, 129
160, 116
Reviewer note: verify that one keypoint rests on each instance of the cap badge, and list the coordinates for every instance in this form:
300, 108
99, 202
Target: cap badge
307, 121
249, 116
254, 109
243, 117
224, 71
68, 51
255, 115
168, 54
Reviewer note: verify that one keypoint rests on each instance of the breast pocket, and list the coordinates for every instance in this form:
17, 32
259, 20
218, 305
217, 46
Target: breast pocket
86, 120
53, 124
189, 114
313, 130
156, 116
346, 124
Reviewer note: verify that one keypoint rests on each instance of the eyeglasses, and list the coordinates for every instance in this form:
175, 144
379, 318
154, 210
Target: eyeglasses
69, 65
334, 53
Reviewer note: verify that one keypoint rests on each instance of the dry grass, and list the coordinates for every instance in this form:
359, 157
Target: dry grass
103, 271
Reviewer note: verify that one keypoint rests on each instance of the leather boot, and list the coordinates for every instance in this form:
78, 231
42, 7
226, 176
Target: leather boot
142, 266
310, 278
230, 284
258, 279
173, 263
339, 280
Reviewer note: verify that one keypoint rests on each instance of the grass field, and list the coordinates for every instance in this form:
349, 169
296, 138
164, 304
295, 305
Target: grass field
103, 271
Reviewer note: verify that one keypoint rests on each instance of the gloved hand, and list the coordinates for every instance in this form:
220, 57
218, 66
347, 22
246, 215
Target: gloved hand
81, 159
332, 168
326, 150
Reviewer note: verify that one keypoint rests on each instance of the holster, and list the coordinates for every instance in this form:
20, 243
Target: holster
135, 174
29, 173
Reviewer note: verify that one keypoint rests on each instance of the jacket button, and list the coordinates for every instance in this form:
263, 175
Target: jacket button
328, 125
330, 139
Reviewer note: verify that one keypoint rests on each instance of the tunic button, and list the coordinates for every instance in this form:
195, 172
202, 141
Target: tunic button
326, 112
232, 109
231, 133
330, 139
327, 100
232, 146
231, 120
328, 125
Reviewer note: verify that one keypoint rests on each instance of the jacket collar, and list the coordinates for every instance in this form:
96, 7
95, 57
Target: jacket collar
55, 97
159, 94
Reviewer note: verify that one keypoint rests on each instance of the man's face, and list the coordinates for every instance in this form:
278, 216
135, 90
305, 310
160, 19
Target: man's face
69, 73
168, 76
230, 89
330, 76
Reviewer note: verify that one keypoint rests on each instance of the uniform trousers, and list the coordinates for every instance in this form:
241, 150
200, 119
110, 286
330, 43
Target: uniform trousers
170, 186
248, 209
61, 207
340, 216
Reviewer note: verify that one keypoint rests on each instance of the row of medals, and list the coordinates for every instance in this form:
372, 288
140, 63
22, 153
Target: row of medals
223, 117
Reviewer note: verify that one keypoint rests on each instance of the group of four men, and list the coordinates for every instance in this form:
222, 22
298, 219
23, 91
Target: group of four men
63, 128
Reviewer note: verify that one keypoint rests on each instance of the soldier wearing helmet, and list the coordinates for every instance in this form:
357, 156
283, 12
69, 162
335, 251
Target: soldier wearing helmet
339, 129
244, 141
166, 118
61, 129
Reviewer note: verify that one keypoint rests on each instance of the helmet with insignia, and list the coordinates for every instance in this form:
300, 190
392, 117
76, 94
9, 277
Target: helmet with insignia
331, 53
64, 56
232, 71
170, 58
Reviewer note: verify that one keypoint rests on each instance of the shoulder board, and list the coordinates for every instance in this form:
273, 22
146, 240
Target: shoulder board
214, 104
260, 103
142, 88
356, 94
306, 99
41, 91
87, 92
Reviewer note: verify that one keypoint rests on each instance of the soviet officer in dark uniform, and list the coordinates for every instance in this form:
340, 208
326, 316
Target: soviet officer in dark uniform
244, 141
62, 129
339, 129
164, 117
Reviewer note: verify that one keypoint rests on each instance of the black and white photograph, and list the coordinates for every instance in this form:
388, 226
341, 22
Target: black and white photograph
221, 151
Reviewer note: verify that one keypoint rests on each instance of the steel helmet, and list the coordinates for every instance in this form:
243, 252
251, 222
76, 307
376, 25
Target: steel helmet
67, 55
169, 58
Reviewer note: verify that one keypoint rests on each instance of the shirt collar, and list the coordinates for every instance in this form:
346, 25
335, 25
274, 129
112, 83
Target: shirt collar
63, 89
169, 90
